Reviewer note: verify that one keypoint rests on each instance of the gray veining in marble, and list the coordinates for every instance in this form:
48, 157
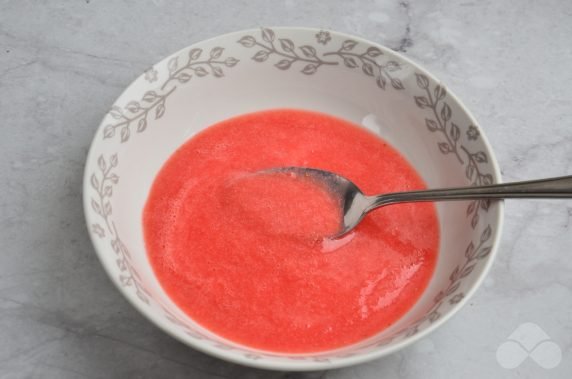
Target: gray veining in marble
62, 63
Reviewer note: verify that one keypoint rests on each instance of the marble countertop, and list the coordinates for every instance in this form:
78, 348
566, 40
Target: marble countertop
63, 63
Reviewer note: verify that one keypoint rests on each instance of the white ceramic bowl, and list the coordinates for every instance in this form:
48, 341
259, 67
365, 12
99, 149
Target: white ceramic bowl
326, 71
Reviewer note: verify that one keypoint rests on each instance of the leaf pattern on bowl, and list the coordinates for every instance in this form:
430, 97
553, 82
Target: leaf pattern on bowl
102, 183
288, 52
440, 121
135, 116
369, 60
370, 63
136, 112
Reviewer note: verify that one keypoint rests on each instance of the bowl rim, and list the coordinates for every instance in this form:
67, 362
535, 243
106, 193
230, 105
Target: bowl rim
299, 365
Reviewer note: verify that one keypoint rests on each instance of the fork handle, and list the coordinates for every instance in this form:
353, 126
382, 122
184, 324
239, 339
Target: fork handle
560, 187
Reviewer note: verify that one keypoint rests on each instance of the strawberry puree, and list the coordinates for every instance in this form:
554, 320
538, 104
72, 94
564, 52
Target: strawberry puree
247, 255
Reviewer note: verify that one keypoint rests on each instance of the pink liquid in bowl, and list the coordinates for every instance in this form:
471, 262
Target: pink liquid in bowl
247, 255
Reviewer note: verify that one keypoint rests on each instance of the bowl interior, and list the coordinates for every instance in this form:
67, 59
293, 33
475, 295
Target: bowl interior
289, 68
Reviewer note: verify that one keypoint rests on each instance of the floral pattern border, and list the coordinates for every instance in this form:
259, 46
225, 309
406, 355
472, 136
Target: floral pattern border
290, 54
102, 183
135, 115
440, 122
154, 101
